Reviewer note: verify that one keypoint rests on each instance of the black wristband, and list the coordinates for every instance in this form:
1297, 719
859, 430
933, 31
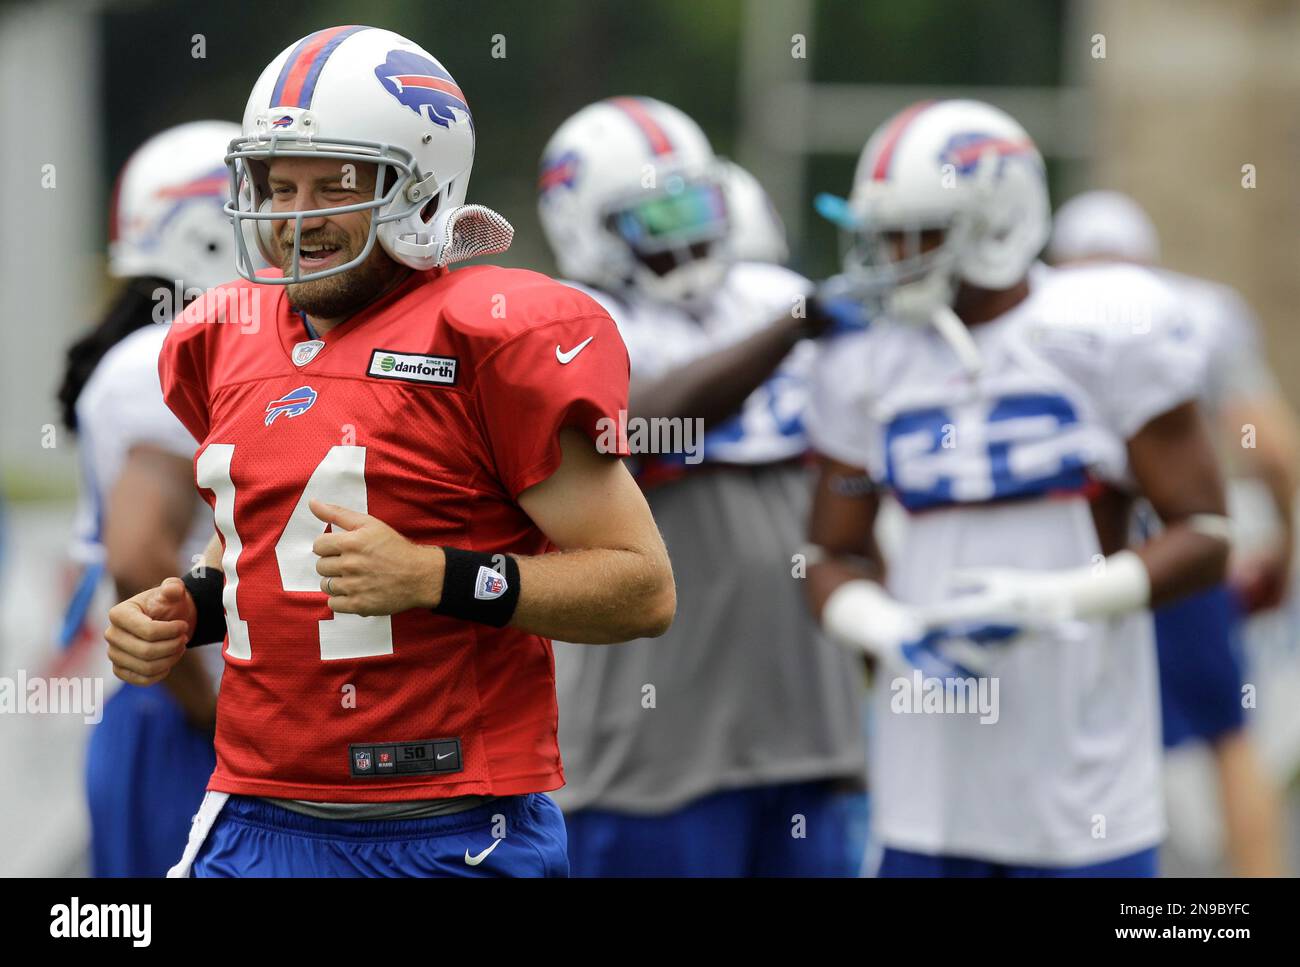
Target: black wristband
479, 587
205, 588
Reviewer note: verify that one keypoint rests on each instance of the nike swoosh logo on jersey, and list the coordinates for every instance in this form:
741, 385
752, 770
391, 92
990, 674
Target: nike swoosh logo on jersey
479, 858
566, 358
445, 755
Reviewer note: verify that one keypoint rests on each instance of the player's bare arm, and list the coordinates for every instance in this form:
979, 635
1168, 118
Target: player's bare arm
846, 570
147, 516
841, 531
1174, 463
611, 582
149, 511
715, 386
1263, 577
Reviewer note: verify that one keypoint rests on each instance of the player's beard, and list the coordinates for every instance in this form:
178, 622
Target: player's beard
341, 295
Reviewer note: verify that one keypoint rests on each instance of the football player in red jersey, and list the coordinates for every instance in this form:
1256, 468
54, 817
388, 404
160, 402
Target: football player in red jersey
415, 484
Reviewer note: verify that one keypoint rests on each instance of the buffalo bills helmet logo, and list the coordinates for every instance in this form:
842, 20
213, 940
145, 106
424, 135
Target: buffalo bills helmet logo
291, 404
283, 121
557, 171
421, 84
964, 151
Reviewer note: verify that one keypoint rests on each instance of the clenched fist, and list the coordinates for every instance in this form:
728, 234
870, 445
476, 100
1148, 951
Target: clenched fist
146, 634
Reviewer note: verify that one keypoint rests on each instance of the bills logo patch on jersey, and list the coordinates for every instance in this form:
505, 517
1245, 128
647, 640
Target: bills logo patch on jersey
490, 585
291, 404
422, 85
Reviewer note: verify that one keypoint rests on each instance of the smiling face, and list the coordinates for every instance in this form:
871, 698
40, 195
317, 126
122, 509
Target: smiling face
304, 184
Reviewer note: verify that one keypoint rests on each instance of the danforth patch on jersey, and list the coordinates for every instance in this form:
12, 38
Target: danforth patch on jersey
413, 367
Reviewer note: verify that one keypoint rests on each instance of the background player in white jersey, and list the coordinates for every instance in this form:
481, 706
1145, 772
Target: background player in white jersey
138, 516
695, 754
1198, 639
1016, 420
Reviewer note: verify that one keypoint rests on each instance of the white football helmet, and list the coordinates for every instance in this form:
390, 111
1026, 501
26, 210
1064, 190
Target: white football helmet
365, 95
630, 194
963, 167
757, 232
167, 216
1103, 224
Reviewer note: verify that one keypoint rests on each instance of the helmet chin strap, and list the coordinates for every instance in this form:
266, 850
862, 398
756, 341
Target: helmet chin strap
957, 336
926, 302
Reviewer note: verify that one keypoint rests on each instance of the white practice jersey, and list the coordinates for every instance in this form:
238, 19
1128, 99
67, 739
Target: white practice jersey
1235, 371
1230, 331
997, 471
121, 406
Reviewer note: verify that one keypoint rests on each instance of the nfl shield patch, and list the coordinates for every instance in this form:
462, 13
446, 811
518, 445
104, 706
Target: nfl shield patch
490, 585
305, 352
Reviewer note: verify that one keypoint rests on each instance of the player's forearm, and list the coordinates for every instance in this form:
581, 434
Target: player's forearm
1184, 559
596, 596
191, 685
147, 514
144, 568
212, 553
715, 386
1274, 457
841, 533
826, 576
1173, 461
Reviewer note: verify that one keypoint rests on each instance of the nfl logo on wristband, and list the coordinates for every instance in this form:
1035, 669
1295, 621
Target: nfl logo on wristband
490, 584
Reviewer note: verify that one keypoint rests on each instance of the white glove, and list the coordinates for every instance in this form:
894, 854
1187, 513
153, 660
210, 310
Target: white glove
1117, 585
862, 615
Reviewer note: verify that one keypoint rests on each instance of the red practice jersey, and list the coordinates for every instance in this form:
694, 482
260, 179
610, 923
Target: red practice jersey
432, 410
